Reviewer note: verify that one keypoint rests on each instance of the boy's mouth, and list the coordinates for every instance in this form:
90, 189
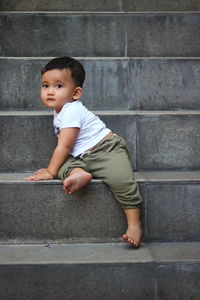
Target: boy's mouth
51, 99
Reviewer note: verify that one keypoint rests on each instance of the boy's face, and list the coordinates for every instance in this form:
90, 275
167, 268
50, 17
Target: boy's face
57, 88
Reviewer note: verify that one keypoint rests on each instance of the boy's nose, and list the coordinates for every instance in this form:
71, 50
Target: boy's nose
51, 92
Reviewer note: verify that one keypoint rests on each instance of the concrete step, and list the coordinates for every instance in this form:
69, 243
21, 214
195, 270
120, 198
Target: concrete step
39, 212
100, 271
95, 5
119, 83
105, 34
157, 140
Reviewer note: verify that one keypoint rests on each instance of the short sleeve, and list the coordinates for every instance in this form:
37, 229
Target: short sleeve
71, 116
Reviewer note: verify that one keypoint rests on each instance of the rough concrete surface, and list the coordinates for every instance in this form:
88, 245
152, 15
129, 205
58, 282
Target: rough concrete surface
157, 141
39, 212
111, 83
111, 35
106, 5
55, 272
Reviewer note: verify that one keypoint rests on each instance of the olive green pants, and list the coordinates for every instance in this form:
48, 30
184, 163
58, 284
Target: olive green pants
110, 163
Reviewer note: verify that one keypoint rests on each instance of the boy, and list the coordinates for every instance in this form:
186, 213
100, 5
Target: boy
86, 149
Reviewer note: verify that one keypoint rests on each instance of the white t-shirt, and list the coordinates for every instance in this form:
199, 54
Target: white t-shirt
92, 129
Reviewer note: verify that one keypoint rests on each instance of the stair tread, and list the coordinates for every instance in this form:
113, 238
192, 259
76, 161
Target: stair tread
106, 112
99, 253
102, 12
159, 176
102, 58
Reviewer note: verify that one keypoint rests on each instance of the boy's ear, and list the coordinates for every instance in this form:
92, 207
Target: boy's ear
77, 93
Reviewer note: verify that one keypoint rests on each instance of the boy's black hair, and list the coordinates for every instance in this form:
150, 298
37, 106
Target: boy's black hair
71, 64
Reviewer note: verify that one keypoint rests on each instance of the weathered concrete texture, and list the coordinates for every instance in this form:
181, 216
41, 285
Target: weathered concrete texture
41, 213
99, 253
103, 271
172, 212
21, 80
95, 5
27, 142
104, 34
178, 281
78, 281
157, 141
110, 84
61, 34
142, 84
163, 35
61, 5
168, 142
159, 5
21, 145
174, 252
87, 253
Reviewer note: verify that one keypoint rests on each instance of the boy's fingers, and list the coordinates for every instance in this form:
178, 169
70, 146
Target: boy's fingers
39, 176
28, 178
32, 178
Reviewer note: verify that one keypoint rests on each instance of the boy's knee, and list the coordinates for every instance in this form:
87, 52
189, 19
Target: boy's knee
127, 193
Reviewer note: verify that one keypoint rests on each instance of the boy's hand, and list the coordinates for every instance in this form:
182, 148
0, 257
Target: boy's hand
41, 174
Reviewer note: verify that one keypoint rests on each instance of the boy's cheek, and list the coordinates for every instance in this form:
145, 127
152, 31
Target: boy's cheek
44, 101
43, 97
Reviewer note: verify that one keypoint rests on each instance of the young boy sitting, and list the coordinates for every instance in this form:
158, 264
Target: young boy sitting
86, 149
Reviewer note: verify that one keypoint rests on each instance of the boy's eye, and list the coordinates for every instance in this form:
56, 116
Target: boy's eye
45, 85
59, 85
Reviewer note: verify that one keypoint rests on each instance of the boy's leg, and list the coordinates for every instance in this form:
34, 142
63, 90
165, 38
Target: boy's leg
110, 163
74, 174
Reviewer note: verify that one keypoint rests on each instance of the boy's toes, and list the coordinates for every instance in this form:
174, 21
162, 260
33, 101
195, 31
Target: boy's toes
135, 244
131, 241
125, 237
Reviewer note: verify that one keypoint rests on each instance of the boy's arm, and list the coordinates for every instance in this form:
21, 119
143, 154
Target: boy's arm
66, 140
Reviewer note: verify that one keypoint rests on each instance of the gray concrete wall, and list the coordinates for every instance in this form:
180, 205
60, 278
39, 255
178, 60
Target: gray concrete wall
156, 141
111, 84
41, 213
105, 34
95, 5
78, 281
101, 281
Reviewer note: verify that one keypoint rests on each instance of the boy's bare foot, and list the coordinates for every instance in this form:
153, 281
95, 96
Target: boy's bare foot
76, 180
133, 234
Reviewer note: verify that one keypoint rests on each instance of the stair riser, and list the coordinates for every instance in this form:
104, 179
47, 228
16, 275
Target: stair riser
156, 142
98, 281
42, 213
110, 83
172, 212
91, 5
77, 281
128, 35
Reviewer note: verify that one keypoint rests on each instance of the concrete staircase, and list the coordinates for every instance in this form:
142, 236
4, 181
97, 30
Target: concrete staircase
142, 60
